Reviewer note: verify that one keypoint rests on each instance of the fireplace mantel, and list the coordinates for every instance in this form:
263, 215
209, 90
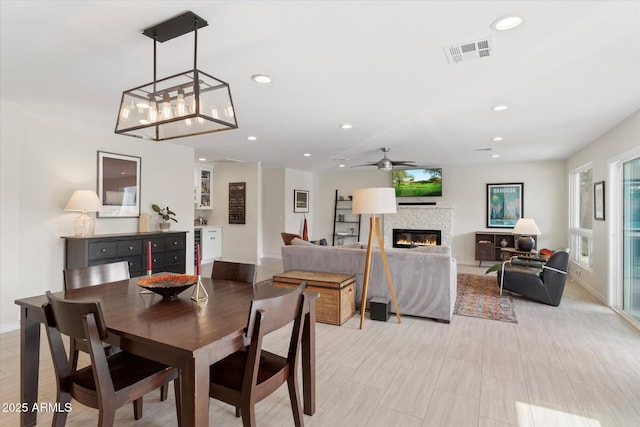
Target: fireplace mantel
423, 217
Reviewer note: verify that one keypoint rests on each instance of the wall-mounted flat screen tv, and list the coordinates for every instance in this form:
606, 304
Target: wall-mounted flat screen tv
425, 182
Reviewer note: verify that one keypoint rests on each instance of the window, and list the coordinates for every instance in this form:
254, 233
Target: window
581, 208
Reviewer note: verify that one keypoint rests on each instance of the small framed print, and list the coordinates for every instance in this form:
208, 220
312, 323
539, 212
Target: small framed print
598, 200
300, 201
119, 185
504, 204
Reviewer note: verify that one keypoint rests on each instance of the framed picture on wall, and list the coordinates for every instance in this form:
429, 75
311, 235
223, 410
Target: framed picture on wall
119, 185
504, 204
598, 200
300, 201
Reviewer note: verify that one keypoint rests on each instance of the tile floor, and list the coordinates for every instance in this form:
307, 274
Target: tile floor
574, 365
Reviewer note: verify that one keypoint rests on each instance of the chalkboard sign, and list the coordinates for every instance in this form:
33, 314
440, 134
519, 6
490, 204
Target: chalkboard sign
237, 202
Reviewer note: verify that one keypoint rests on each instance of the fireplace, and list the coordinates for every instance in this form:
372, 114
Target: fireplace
408, 238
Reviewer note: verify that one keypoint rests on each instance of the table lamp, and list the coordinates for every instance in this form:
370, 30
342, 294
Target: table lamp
84, 201
375, 201
526, 228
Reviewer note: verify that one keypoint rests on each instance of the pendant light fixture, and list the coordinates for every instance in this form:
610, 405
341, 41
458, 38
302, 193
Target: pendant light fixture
185, 104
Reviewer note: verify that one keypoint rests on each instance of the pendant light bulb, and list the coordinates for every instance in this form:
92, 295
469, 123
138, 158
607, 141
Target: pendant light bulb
181, 107
153, 112
126, 111
166, 107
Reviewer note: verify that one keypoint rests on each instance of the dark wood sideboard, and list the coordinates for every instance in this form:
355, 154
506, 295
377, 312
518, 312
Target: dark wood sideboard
168, 251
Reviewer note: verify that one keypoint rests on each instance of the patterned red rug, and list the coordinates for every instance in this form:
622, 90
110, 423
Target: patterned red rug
479, 296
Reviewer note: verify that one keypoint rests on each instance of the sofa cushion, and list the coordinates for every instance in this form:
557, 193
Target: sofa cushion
300, 242
432, 249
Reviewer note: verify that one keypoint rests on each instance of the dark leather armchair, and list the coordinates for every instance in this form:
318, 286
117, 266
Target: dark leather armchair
538, 281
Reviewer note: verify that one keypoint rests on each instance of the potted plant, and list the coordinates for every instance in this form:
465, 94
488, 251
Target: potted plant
166, 214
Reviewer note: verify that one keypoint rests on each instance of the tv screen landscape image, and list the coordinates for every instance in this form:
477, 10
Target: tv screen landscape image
424, 182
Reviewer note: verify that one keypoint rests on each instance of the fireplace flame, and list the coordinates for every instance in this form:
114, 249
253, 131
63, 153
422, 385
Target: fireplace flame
428, 242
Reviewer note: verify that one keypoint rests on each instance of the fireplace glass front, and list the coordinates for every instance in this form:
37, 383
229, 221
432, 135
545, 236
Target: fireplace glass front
409, 238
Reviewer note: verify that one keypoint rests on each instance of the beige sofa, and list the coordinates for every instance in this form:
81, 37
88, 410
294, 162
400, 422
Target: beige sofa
424, 278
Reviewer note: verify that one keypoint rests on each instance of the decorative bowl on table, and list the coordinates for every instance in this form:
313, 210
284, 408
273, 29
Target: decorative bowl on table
169, 286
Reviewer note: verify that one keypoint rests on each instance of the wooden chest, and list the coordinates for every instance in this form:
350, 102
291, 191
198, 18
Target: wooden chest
337, 301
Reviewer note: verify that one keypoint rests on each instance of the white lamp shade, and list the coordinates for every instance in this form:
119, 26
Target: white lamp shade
526, 227
84, 200
379, 200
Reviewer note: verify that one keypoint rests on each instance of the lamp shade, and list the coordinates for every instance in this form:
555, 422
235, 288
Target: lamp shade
84, 200
526, 227
378, 200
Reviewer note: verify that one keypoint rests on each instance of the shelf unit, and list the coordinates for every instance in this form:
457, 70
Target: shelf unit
346, 225
203, 184
489, 245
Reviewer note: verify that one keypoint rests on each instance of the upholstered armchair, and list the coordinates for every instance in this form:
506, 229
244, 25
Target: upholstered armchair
539, 281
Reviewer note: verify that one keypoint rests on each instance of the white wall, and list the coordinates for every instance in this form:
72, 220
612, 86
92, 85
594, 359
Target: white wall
273, 204
298, 180
240, 242
345, 181
464, 188
45, 159
614, 142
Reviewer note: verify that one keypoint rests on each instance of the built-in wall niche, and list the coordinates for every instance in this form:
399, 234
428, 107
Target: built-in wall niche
203, 187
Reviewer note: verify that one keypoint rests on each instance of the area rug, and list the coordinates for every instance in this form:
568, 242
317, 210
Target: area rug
479, 296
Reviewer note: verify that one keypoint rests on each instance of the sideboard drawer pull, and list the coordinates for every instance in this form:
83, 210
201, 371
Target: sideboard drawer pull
103, 250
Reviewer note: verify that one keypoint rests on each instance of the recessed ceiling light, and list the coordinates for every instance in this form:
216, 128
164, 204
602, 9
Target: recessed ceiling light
202, 159
497, 138
342, 165
508, 22
251, 138
346, 126
261, 78
307, 154
495, 156
500, 107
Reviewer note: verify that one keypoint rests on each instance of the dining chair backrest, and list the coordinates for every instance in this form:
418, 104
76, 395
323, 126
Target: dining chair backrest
236, 271
75, 278
276, 312
108, 382
67, 316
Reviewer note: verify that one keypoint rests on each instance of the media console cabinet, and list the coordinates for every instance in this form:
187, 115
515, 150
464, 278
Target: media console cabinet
168, 251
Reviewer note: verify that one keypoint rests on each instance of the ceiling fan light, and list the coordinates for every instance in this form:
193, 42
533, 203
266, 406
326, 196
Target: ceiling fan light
385, 165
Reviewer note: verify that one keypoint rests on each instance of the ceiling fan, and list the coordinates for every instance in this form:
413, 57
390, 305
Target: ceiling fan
386, 164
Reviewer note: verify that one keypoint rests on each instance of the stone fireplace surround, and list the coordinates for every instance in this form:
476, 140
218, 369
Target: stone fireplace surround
419, 217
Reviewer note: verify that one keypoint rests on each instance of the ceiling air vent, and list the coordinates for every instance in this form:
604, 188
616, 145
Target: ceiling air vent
476, 49
482, 149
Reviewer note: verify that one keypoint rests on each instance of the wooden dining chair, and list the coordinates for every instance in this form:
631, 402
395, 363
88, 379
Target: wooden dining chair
236, 271
75, 278
108, 382
251, 374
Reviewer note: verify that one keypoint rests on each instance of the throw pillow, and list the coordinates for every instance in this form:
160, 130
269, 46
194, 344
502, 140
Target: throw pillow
300, 242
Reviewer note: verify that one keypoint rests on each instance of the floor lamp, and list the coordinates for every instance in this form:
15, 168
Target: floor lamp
375, 201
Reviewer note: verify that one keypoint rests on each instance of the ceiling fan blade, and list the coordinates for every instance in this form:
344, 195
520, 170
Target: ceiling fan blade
366, 164
403, 162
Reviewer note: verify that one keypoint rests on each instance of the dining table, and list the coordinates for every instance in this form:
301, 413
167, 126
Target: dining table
187, 334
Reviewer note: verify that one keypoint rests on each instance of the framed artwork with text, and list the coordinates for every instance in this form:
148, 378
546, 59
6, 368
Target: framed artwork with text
504, 204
